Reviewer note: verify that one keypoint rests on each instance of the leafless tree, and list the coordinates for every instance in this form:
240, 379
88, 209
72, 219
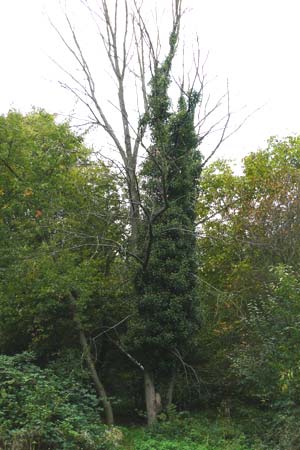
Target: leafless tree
133, 52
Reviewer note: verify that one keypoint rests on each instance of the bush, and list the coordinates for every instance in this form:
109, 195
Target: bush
41, 410
183, 432
155, 444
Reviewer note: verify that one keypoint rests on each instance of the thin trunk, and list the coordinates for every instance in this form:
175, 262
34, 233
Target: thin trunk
153, 400
134, 205
170, 390
98, 384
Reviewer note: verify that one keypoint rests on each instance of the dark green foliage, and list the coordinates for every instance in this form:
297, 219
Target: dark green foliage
166, 285
267, 364
42, 410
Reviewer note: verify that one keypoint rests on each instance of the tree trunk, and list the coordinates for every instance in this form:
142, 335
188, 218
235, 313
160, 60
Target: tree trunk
153, 400
98, 385
170, 391
134, 205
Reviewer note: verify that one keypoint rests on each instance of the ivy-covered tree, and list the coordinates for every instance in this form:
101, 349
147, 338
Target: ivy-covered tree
138, 58
166, 281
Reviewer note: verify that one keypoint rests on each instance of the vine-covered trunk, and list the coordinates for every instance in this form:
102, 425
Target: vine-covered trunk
108, 411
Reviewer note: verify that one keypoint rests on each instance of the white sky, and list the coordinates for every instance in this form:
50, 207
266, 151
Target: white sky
253, 43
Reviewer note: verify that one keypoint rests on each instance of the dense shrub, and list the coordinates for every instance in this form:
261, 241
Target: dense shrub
183, 432
42, 410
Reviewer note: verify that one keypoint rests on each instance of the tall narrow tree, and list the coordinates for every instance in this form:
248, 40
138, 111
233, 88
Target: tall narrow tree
166, 283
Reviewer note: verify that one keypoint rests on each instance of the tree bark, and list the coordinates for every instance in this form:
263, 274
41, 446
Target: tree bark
134, 205
98, 384
153, 400
170, 391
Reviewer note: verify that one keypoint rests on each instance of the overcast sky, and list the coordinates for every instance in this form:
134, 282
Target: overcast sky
253, 43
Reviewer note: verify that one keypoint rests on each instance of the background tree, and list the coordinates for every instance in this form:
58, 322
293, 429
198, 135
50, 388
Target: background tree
62, 228
249, 266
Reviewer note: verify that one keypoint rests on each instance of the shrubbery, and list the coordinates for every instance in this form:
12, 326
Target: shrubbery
184, 432
42, 410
